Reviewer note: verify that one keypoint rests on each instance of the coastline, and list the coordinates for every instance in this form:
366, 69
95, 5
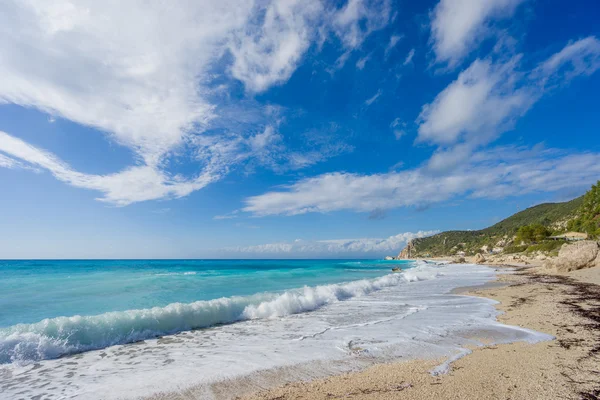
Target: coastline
446, 321
563, 306
352, 325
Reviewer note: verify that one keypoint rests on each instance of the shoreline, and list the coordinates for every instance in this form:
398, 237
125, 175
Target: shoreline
444, 344
405, 316
560, 305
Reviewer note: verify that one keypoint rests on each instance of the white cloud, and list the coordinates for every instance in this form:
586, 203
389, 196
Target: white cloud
358, 19
579, 58
7, 162
142, 182
353, 23
487, 98
373, 99
394, 39
494, 173
409, 57
231, 215
399, 128
272, 51
108, 65
137, 183
344, 247
360, 64
142, 73
481, 101
298, 160
457, 26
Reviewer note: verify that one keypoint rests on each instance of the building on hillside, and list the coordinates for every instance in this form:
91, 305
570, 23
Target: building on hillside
570, 236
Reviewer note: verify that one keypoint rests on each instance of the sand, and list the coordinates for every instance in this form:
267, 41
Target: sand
590, 275
567, 307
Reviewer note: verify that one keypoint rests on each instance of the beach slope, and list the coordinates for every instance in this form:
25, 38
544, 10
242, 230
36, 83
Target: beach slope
566, 368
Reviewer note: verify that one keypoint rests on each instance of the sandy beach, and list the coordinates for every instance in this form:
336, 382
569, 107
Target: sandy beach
565, 306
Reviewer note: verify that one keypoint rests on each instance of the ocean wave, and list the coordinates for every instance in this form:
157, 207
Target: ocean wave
176, 273
55, 337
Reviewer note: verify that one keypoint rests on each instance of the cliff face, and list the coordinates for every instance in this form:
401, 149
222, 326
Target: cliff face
408, 252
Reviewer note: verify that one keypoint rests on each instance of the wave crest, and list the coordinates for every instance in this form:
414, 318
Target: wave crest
55, 337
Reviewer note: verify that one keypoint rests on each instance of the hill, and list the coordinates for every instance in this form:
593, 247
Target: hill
555, 216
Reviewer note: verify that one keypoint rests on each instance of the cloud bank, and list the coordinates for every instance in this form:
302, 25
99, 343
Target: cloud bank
330, 248
497, 173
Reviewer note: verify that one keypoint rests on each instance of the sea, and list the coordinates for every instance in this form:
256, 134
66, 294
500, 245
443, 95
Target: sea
119, 329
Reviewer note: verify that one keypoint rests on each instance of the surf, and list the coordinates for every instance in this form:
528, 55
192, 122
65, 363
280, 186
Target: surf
56, 337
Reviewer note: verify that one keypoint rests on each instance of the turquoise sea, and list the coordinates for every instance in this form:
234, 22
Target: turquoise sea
51, 308
120, 329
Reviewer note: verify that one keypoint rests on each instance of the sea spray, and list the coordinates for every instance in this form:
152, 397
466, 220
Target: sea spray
55, 337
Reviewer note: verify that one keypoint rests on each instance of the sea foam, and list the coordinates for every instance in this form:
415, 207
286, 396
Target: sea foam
56, 337
352, 326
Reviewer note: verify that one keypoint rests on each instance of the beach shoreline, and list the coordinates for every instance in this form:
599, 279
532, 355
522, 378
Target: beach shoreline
433, 331
566, 307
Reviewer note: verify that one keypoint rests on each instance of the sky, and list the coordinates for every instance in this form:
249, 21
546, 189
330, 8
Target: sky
287, 128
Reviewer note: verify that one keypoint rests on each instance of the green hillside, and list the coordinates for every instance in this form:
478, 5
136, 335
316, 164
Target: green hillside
552, 215
588, 216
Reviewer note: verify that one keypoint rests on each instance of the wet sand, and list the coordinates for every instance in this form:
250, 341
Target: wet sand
567, 307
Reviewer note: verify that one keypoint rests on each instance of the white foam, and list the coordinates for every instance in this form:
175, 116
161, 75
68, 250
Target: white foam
175, 273
444, 368
55, 337
399, 316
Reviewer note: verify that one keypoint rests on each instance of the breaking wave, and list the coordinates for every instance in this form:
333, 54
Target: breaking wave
56, 337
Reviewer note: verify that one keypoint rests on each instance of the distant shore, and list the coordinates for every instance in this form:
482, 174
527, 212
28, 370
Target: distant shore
566, 307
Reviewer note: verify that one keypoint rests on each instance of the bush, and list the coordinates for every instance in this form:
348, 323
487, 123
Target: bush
546, 247
515, 249
588, 215
529, 234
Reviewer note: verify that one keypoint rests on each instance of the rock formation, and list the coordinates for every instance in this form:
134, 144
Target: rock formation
479, 258
578, 255
408, 252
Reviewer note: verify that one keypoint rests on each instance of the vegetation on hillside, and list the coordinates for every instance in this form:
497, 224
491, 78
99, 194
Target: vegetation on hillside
532, 234
533, 225
588, 215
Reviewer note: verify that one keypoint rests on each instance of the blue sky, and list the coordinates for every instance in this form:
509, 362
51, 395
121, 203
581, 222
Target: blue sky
287, 128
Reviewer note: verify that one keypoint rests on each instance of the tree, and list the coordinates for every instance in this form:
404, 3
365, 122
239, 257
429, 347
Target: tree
532, 234
588, 215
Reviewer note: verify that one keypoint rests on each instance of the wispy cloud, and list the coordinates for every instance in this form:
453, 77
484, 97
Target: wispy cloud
358, 19
268, 50
136, 183
394, 39
146, 73
232, 215
578, 58
409, 57
457, 26
488, 98
373, 99
399, 128
329, 248
483, 99
494, 173
360, 64
7, 162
